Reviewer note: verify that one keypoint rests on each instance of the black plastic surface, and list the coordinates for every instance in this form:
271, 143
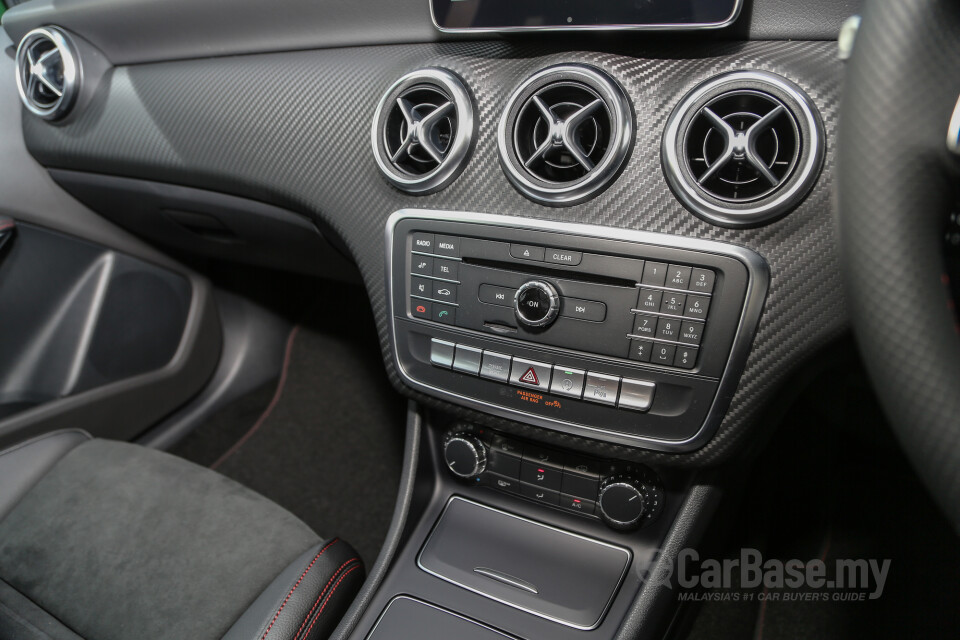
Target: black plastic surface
95, 339
76, 317
545, 571
252, 356
207, 223
409, 619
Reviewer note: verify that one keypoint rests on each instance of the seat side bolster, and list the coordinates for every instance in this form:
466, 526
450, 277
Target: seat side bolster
307, 599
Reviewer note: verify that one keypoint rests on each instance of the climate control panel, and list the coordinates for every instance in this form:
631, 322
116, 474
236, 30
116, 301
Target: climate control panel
625, 336
623, 495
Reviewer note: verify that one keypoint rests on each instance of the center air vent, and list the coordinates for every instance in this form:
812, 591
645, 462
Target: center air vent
422, 131
565, 134
743, 148
47, 73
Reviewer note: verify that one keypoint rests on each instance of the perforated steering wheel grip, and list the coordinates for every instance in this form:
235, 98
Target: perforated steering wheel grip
896, 186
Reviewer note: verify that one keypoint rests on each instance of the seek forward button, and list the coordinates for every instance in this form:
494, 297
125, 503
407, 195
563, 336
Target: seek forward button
583, 309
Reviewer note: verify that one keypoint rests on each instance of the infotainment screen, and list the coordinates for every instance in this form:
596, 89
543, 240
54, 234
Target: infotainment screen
510, 15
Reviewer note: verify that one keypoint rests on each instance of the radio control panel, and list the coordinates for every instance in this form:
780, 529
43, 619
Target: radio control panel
624, 336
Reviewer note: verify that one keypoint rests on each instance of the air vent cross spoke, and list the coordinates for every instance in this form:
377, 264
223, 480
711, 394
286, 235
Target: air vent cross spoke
565, 134
422, 130
47, 73
743, 148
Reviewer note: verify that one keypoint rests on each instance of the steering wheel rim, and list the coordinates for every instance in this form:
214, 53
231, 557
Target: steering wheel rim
896, 184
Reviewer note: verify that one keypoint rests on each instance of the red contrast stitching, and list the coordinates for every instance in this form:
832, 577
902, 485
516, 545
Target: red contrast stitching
302, 576
320, 596
329, 597
273, 402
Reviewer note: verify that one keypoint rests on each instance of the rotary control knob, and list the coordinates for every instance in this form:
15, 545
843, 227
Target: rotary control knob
536, 303
626, 502
465, 455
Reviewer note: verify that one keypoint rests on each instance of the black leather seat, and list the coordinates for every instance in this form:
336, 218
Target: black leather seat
104, 540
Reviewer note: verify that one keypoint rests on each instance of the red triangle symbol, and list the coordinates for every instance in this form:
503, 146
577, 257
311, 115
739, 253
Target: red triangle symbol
530, 376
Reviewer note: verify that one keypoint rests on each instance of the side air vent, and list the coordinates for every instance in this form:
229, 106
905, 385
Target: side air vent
48, 73
565, 134
423, 130
743, 149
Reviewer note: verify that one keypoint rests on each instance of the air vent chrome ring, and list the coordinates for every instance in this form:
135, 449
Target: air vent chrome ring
565, 134
743, 149
48, 73
423, 131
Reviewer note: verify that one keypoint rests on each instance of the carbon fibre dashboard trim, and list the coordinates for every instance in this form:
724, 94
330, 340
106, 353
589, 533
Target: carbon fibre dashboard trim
759, 280
252, 141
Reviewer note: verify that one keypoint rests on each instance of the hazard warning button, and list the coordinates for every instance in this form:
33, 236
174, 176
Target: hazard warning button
531, 374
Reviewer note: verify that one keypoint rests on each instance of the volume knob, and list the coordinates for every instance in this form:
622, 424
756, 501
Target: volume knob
465, 455
536, 303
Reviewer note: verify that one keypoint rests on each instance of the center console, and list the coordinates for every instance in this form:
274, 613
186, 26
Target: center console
624, 336
632, 338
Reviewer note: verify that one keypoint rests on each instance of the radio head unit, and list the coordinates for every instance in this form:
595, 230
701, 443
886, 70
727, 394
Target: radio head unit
625, 336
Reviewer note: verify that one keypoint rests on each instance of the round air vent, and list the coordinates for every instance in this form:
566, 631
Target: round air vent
48, 74
565, 134
422, 131
743, 148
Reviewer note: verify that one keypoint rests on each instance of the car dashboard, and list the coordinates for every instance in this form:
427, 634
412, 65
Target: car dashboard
596, 246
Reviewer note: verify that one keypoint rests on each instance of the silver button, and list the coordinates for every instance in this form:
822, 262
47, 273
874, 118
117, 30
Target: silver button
636, 394
601, 388
495, 366
441, 353
530, 373
467, 359
567, 382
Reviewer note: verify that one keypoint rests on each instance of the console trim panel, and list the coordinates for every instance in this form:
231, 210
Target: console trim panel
616, 589
757, 286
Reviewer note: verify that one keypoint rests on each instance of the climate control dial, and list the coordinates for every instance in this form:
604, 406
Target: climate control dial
626, 502
465, 455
